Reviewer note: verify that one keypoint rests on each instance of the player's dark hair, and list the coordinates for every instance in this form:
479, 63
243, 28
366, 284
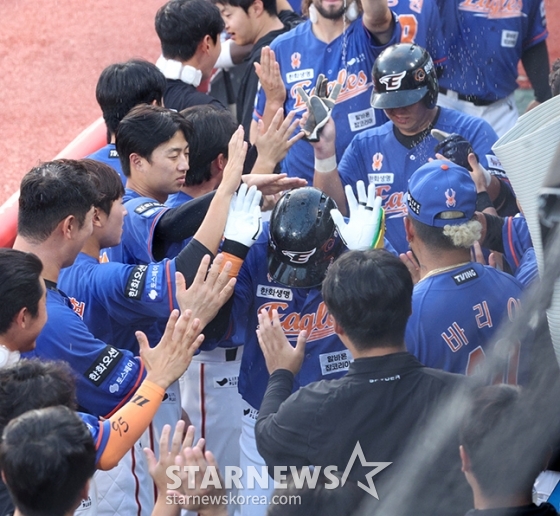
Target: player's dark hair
432, 236
107, 183
505, 447
121, 86
369, 293
35, 384
182, 24
51, 192
554, 78
146, 127
20, 285
268, 5
212, 131
47, 456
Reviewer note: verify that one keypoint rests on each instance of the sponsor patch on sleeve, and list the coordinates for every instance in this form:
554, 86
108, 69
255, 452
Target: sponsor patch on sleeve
102, 366
135, 283
495, 165
465, 276
335, 361
147, 209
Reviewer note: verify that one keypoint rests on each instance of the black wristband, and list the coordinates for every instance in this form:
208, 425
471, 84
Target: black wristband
483, 201
235, 248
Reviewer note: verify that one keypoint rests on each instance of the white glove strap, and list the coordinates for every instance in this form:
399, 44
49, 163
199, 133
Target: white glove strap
326, 165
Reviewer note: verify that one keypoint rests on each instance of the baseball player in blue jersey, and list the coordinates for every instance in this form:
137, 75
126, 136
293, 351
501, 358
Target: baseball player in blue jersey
406, 87
485, 42
343, 49
120, 87
283, 271
457, 305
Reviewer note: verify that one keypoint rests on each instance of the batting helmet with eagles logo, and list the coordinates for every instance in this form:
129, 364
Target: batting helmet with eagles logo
404, 74
303, 240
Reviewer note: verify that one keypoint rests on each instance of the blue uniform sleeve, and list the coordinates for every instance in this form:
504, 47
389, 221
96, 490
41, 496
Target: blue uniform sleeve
106, 377
100, 431
537, 30
516, 239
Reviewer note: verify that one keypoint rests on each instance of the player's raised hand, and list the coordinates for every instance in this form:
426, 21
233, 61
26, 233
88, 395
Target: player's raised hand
237, 150
195, 467
365, 228
209, 291
244, 223
277, 350
271, 184
274, 143
412, 265
167, 361
268, 72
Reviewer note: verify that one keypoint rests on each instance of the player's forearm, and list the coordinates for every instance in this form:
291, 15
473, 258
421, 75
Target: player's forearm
330, 184
378, 20
130, 422
536, 63
164, 506
212, 228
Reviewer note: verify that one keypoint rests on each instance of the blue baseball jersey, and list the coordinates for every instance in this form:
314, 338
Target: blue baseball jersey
138, 231
109, 156
106, 377
518, 249
178, 199
346, 60
325, 355
114, 299
100, 432
455, 315
485, 43
376, 156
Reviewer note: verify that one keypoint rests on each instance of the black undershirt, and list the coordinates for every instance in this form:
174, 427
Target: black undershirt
412, 141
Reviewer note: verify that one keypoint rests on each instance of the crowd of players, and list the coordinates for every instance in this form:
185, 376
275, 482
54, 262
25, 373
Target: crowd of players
145, 290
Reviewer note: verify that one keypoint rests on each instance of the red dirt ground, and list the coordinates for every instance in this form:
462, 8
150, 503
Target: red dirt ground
51, 54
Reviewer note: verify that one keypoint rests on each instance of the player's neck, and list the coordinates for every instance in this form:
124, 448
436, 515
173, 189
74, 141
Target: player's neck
483, 502
270, 23
145, 191
434, 262
92, 247
328, 30
49, 252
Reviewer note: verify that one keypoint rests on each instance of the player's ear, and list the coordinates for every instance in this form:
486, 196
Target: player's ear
67, 226
98, 217
337, 328
221, 162
257, 7
408, 229
21, 318
136, 161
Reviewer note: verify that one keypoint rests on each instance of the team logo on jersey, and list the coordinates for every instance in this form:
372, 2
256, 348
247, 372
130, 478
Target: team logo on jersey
392, 81
296, 60
450, 201
78, 306
377, 161
299, 257
495, 9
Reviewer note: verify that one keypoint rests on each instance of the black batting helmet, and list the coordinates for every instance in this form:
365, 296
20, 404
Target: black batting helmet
303, 240
404, 74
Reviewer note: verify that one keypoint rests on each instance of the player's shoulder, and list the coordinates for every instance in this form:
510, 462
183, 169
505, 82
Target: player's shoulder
142, 206
294, 36
500, 278
380, 131
454, 121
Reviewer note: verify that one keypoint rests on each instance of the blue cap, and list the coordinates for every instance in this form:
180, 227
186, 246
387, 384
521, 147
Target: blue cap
441, 193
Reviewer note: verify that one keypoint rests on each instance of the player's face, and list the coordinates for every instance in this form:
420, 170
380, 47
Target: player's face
413, 119
167, 167
113, 224
330, 9
238, 24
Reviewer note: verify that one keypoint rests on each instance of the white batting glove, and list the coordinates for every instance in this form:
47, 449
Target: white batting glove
244, 224
364, 228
